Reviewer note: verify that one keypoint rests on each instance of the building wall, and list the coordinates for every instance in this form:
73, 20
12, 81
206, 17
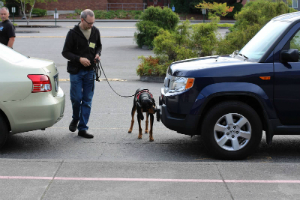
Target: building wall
74, 4
81, 4
125, 1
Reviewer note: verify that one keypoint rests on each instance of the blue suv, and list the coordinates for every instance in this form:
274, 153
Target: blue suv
231, 100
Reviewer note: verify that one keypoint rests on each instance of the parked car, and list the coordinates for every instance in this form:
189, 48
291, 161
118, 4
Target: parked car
30, 96
230, 100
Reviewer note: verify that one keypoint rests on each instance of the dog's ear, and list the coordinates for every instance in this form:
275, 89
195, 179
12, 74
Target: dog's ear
139, 111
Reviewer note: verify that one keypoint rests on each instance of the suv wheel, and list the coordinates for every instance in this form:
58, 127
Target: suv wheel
231, 130
3, 131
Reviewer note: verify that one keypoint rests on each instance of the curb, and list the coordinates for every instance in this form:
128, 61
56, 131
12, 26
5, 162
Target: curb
27, 31
113, 20
37, 26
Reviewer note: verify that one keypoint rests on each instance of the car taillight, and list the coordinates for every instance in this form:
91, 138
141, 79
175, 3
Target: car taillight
41, 83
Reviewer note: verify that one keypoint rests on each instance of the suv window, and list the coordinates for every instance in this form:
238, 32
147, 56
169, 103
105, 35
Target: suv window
295, 41
264, 39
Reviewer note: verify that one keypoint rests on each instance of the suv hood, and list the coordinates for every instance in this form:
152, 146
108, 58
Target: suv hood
188, 67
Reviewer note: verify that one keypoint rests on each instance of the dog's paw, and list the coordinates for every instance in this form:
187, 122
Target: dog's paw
140, 136
151, 139
129, 131
146, 132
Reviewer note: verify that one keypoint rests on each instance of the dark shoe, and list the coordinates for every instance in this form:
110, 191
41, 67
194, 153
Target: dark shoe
73, 125
85, 134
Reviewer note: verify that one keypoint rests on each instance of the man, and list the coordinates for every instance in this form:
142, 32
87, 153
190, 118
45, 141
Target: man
7, 29
82, 48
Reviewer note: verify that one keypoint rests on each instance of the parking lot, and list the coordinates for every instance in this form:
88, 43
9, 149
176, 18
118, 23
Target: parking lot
57, 164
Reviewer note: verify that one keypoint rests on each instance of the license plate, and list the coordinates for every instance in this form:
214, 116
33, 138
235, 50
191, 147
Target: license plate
56, 82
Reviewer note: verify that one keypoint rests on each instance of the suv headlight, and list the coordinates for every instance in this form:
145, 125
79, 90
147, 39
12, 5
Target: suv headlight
180, 84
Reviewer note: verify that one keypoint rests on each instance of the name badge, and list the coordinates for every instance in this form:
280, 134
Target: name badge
92, 45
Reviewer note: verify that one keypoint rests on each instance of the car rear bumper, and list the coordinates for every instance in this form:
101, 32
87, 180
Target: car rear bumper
37, 111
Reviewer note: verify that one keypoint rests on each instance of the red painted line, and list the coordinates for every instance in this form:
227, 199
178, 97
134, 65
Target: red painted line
26, 177
140, 180
146, 180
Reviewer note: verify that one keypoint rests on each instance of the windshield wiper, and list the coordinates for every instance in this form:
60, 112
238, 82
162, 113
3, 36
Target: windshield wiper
246, 58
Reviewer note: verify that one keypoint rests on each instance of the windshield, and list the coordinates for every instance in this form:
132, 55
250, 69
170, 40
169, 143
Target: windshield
10, 55
263, 40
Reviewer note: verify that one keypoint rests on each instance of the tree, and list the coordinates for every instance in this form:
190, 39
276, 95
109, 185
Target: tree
188, 6
253, 16
31, 3
217, 9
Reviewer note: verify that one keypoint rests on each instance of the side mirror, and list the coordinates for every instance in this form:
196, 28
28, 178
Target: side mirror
291, 55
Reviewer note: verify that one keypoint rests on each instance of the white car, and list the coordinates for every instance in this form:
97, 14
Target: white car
30, 96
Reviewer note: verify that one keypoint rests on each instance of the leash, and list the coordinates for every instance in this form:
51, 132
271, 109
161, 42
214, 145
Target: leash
97, 70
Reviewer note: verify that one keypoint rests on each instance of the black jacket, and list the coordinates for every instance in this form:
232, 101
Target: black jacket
76, 46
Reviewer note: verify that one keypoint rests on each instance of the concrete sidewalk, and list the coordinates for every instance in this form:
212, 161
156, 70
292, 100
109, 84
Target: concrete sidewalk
60, 179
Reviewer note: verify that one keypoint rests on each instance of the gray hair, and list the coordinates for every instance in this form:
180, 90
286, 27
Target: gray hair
86, 12
5, 9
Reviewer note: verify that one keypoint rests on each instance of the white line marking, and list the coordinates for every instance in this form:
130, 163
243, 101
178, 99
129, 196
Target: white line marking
147, 180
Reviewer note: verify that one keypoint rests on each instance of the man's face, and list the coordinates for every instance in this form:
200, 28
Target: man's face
4, 14
88, 22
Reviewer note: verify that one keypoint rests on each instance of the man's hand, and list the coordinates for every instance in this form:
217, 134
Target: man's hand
85, 62
97, 57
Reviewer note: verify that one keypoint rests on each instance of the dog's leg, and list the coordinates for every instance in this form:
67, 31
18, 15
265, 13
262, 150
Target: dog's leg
151, 128
132, 118
140, 128
147, 116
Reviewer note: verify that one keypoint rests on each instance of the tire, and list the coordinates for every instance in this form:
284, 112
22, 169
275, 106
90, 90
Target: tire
231, 130
3, 131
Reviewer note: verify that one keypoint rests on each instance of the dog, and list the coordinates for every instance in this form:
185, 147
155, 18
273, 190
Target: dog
143, 102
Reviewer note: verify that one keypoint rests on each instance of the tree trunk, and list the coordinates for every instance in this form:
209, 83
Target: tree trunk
32, 6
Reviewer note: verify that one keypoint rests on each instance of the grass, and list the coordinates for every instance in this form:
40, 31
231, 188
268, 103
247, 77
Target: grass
226, 25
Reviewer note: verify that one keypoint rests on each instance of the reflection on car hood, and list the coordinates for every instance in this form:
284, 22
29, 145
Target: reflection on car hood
182, 68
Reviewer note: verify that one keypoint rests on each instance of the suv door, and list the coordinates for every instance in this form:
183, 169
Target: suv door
287, 80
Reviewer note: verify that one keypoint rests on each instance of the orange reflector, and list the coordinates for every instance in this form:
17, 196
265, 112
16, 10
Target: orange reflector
189, 83
265, 78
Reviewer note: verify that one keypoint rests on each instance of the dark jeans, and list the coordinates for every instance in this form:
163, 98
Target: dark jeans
81, 94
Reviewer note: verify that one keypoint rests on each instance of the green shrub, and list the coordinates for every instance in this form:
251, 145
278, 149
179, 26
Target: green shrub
147, 32
152, 19
110, 15
39, 12
100, 14
152, 66
164, 18
174, 45
78, 11
120, 14
204, 38
253, 16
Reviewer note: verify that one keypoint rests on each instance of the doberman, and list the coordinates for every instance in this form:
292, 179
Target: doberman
143, 102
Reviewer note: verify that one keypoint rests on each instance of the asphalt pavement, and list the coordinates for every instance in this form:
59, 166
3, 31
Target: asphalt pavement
57, 164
